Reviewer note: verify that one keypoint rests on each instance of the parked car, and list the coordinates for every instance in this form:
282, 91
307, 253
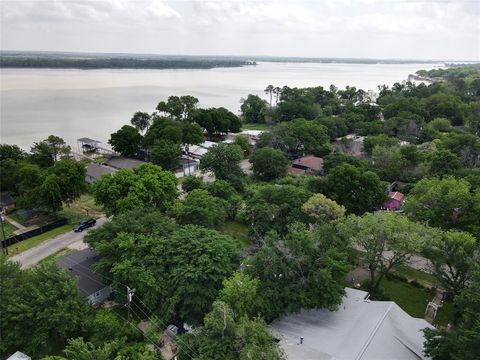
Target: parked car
85, 224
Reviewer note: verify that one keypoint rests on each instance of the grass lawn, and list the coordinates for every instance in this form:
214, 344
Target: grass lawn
81, 208
14, 216
412, 299
36, 240
254, 126
444, 314
422, 277
8, 229
237, 230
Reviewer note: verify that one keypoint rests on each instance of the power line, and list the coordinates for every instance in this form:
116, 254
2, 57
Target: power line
128, 291
163, 324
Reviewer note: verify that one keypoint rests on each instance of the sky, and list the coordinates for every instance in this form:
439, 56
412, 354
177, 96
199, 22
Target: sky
381, 29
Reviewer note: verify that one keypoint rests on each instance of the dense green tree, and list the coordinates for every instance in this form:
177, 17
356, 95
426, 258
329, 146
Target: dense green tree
166, 154
177, 275
140, 221
145, 186
240, 292
321, 209
253, 109
12, 152
192, 182
192, 134
295, 109
126, 141
46, 152
297, 137
223, 190
275, 207
164, 128
463, 342
404, 128
445, 203
141, 121
441, 124
224, 337
59, 184
243, 141
453, 256
336, 126
217, 121
79, 349
465, 145
444, 105
336, 158
304, 269
378, 140
358, 190
268, 164
444, 163
106, 326
223, 160
41, 309
200, 208
179, 107
386, 240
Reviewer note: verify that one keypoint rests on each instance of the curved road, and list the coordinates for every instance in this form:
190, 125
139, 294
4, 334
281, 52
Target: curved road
48, 247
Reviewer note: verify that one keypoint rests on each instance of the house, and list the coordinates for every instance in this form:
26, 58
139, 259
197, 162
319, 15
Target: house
253, 135
7, 202
18, 355
395, 201
95, 171
360, 329
79, 265
307, 165
198, 151
119, 162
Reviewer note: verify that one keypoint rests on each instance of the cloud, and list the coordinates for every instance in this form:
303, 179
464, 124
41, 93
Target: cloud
353, 28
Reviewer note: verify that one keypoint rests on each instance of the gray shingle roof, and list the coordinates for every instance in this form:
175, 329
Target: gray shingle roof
96, 171
79, 265
119, 162
6, 199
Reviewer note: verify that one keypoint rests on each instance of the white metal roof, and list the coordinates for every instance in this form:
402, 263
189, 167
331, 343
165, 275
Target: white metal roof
251, 132
368, 330
19, 356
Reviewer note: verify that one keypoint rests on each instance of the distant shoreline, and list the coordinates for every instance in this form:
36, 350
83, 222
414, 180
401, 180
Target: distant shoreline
93, 61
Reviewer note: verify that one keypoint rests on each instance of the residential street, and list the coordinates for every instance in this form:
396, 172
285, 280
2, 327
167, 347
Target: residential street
34, 255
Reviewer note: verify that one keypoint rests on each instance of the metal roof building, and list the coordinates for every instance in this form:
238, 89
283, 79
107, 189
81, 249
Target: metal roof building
359, 329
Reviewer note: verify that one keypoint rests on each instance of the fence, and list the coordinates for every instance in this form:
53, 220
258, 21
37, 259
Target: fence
27, 235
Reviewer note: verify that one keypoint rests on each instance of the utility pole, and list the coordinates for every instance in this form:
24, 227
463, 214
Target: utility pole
4, 241
130, 293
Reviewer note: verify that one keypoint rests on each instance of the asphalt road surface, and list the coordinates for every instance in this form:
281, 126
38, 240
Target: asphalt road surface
48, 247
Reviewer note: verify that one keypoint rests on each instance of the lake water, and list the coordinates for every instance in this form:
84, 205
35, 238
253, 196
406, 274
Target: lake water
94, 103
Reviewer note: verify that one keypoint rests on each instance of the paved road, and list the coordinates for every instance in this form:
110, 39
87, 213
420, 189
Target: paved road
34, 255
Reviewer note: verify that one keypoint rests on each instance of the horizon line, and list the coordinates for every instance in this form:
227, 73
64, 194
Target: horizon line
243, 56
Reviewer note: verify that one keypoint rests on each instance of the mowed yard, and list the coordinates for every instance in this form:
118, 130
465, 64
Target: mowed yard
82, 208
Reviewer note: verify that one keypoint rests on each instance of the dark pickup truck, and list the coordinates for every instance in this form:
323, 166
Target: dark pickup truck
85, 224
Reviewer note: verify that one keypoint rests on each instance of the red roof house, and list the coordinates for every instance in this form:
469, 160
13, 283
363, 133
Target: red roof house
395, 201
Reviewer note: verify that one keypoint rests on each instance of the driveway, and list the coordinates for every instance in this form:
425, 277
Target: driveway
48, 247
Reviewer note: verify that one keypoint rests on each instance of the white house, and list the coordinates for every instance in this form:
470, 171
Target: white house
359, 329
